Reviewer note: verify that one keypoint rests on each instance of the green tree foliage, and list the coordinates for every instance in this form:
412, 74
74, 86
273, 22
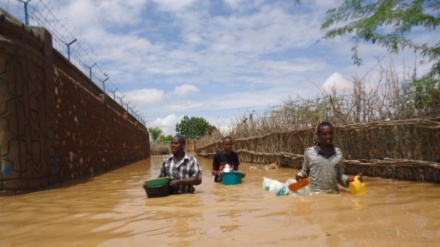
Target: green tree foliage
427, 97
386, 23
194, 127
165, 139
155, 133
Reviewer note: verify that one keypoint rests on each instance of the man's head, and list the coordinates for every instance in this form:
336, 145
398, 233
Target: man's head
178, 144
325, 133
227, 144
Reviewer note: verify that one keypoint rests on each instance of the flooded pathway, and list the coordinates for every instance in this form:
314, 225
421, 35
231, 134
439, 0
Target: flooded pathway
112, 210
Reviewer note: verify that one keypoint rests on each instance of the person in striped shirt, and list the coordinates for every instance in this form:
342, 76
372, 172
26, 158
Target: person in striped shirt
182, 168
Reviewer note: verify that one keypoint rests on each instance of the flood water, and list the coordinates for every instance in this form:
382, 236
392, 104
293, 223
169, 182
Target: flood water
112, 210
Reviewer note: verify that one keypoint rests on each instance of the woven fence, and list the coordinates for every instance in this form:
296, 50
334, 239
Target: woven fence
402, 149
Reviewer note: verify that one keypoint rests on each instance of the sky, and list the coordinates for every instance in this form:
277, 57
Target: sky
219, 60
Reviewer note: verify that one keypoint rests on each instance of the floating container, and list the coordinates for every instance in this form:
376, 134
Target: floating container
299, 185
232, 178
357, 187
158, 187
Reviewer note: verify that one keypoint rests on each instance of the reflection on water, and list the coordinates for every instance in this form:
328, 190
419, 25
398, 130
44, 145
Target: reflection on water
113, 210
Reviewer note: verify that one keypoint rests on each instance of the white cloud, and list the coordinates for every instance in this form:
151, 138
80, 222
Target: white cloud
123, 12
145, 96
296, 66
173, 5
193, 38
270, 29
167, 124
89, 14
234, 3
188, 105
185, 90
336, 82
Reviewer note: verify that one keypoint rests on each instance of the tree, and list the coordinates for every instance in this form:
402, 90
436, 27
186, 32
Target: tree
427, 95
155, 133
194, 127
386, 23
163, 139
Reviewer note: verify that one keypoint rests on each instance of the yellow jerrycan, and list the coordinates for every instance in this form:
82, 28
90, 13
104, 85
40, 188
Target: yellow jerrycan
357, 187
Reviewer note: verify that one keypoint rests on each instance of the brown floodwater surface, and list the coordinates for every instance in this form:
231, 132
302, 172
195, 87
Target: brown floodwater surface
112, 210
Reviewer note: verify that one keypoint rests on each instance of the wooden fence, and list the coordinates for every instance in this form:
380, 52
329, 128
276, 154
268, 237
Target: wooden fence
402, 149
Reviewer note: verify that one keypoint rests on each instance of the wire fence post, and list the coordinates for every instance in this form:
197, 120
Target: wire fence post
90, 71
103, 83
68, 48
26, 15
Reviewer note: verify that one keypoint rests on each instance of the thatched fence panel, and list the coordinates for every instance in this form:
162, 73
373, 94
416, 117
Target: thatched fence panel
402, 149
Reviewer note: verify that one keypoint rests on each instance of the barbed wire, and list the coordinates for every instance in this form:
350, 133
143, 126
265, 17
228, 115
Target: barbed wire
69, 44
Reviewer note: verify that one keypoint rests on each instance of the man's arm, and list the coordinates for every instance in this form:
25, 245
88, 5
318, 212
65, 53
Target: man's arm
237, 159
194, 180
343, 179
304, 173
216, 166
163, 172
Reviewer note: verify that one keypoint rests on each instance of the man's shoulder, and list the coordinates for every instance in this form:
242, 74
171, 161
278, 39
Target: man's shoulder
167, 158
338, 150
309, 152
220, 154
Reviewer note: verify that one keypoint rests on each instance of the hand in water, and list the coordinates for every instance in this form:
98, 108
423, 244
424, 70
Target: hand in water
359, 176
175, 183
299, 176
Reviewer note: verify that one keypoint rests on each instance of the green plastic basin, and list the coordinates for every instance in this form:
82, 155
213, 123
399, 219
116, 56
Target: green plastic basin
158, 182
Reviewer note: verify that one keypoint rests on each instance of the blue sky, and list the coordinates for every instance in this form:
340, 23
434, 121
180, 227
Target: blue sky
214, 59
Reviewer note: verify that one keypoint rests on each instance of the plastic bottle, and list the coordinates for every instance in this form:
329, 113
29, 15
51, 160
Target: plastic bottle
227, 168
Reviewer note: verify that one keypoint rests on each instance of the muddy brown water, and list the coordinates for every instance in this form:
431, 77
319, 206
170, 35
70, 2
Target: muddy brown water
112, 210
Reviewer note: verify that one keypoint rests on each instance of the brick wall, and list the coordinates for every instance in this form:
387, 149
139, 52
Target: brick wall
55, 124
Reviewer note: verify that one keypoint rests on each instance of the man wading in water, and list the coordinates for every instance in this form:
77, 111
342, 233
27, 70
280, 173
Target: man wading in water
183, 169
323, 163
223, 157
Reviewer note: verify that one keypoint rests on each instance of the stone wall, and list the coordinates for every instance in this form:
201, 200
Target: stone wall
55, 124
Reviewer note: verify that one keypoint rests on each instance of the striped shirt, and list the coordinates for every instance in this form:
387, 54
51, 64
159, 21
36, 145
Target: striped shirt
186, 168
324, 170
